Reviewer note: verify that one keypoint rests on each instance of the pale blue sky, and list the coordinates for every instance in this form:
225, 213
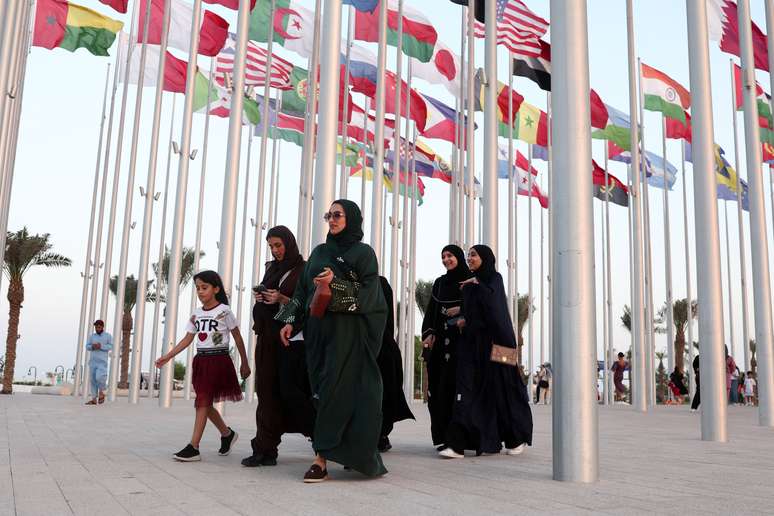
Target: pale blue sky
57, 153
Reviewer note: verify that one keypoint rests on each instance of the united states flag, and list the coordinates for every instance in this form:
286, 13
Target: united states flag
255, 65
518, 28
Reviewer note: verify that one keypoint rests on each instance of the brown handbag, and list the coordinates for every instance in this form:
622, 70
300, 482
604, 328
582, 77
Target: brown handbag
320, 300
504, 355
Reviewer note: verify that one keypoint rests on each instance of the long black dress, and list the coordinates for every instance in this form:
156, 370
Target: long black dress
342, 346
281, 378
492, 406
442, 359
394, 406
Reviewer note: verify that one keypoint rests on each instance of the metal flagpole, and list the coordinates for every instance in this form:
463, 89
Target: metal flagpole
713, 403
513, 295
455, 172
574, 407
637, 371
470, 213
604, 305
608, 290
543, 350
160, 260
377, 186
310, 163
123, 257
489, 176
740, 220
413, 274
688, 292
406, 222
101, 210
325, 169
732, 347
365, 157
531, 306
397, 145
240, 286
668, 259
550, 276
641, 175
344, 177
186, 156
89, 241
461, 129
758, 234
272, 216
198, 246
147, 225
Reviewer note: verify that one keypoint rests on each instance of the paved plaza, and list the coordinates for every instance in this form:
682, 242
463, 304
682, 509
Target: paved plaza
60, 457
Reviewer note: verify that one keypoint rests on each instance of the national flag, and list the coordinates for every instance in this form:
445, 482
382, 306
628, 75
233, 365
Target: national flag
424, 160
59, 24
726, 178
212, 33
518, 28
520, 172
599, 114
294, 100
763, 98
480, 8
677, 130
231, 4
615, 190
664, 94
419, 35
441, 122
617, 130
723, 25
282, 126
362, 5
362, 126
292, 24
658, 171
350, 151
220, 101
175, 69
503, 93
255, 65
530, 125
118, 5
442, 68
536, 68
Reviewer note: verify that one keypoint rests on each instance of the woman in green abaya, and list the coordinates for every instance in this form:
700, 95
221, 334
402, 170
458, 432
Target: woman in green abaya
342, 346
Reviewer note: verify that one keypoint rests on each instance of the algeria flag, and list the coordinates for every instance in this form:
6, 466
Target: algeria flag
662, 93
292, 25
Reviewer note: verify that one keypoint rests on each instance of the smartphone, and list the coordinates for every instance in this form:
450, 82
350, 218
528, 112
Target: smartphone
259, 289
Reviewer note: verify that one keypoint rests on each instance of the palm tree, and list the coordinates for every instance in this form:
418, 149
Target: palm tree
22, 251
662, 379
127, 323
680, 314
626, 318
186, 269
753, 359
422, 294
524, 305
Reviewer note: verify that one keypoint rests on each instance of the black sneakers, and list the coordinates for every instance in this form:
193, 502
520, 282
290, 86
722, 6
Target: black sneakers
227, 442
315, 474
188, 454
253, 461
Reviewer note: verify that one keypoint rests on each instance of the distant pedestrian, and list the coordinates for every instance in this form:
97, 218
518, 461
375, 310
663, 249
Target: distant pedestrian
677, 384
618, 369
732, 378
697, 395
544, 384
749, 389
213, 376
100, 344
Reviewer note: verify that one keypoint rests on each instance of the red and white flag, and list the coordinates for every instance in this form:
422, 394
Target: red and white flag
521, 164
212, 33
518, 28
255, 65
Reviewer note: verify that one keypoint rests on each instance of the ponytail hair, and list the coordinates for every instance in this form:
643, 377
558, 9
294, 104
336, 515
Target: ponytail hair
213, 278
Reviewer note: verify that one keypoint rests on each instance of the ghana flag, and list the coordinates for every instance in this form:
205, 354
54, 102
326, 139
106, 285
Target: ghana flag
70, 26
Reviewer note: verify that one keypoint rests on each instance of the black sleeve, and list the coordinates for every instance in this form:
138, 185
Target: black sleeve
431, 320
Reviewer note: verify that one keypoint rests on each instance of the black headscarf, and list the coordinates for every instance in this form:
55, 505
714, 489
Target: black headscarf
488, 266
276, 269
353, 232
461, 272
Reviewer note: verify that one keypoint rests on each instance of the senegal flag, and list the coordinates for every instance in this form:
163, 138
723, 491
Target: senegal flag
70, 26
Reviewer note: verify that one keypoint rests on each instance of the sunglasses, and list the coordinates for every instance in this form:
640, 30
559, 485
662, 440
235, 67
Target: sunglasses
335, 215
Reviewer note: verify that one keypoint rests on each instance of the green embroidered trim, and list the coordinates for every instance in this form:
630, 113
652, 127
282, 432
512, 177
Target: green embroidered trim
287, 313
344, 296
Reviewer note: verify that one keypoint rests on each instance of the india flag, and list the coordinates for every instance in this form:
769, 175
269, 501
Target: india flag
664, 94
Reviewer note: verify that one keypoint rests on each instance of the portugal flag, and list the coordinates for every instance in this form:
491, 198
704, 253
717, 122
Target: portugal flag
70, 26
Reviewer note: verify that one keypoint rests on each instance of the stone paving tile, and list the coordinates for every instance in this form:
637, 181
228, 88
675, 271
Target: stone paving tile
59, 457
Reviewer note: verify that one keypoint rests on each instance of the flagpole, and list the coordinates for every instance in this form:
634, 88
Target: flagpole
732, 347
240, 286
604, 299
714, 404
637, 372
309, 177
413, 275
490, 203
198, 245
608, 290
543, 350
147, 225
229, 189
740, 220
689, 295
531, 306
377, 220
363, 170
668, 258
461, 128
574, 410
160, 261
273, 186
89, 241
549, 277
758, 237
470, 213
404, 263
127, 225
512, 205
396, 146
344, 174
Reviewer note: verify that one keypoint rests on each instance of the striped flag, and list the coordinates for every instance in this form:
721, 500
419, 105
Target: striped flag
518, 28
255, 65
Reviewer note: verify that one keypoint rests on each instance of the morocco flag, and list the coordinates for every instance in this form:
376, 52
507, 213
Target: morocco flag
292, 24
664, 94
64, 25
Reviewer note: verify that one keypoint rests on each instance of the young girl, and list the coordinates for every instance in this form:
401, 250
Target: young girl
214, 378
749, 389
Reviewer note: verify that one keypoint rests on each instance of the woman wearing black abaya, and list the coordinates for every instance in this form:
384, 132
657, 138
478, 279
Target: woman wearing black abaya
440, 337
281, 379
491, 405
342, 345
394, 406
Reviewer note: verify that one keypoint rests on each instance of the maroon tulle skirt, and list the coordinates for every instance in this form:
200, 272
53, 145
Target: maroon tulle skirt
214, 379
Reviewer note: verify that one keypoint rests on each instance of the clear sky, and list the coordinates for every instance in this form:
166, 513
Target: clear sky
57, 155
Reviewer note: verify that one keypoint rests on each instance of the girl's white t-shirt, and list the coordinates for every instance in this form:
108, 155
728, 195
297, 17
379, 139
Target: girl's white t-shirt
749, 386
211, 328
